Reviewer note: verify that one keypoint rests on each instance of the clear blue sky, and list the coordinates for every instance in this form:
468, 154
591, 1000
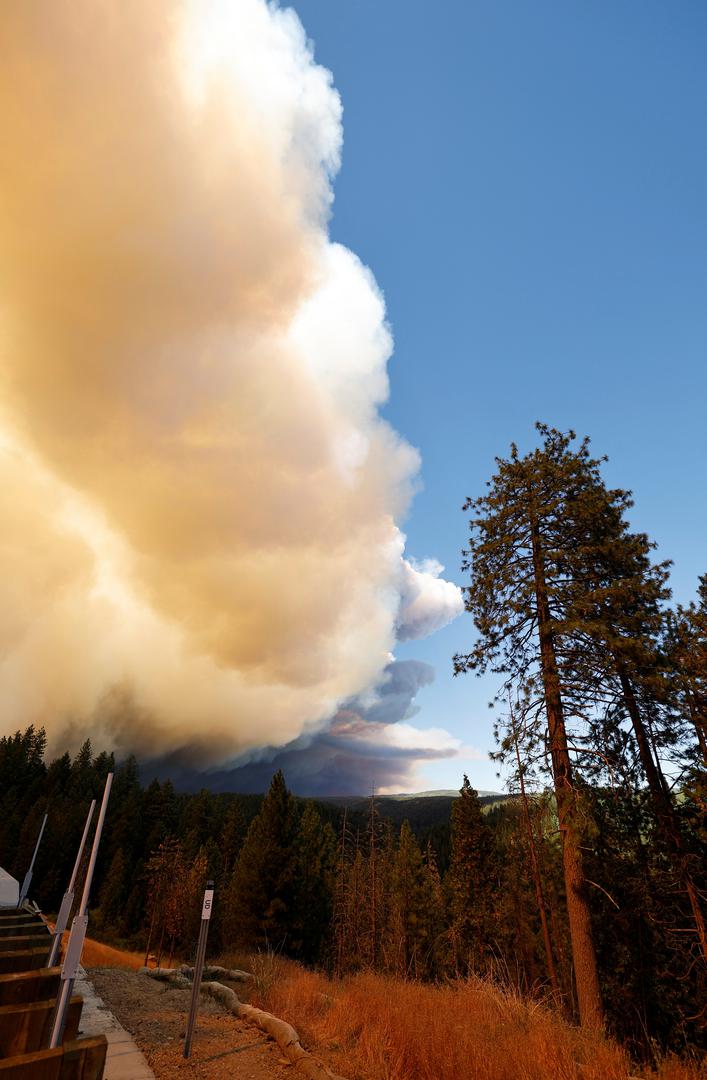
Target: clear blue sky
528, 182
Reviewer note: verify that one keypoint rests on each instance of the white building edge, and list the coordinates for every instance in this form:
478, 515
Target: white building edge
9, 890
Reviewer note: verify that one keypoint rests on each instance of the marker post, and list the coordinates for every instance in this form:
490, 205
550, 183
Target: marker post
28, 876
65, 909
199, 964
79, 926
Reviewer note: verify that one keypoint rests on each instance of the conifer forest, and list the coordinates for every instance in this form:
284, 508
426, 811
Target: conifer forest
583, 886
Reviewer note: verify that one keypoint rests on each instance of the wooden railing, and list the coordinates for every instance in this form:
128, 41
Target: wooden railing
28, 995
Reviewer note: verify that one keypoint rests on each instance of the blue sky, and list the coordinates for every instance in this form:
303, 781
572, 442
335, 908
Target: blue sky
528, 183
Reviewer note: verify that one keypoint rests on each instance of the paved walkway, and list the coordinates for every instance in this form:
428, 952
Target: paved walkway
124, 1061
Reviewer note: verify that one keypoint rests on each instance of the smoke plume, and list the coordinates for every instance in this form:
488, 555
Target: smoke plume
368, 746
198, 539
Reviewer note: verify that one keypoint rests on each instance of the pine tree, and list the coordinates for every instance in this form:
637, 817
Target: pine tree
686, 647
112, 896
534, 861
615, 617
159, 814
22, 780
261, 896
316, 855
411, 929
233, 836
83, 780
519, 593
469, 884
341, 909
439, 960
191, 893
164, 873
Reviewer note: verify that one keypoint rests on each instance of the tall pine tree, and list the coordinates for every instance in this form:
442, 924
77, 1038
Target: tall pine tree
262, 893
519, 595
469, 884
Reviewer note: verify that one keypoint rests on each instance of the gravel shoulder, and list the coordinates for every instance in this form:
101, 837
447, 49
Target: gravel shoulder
156, 1016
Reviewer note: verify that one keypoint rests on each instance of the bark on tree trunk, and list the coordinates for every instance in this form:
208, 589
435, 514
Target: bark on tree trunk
149, 935
535, 870
591, 1013
373, 884
665, 811
698, 722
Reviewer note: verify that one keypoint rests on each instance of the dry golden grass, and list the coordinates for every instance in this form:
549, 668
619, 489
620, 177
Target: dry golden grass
385, 1029
96, 954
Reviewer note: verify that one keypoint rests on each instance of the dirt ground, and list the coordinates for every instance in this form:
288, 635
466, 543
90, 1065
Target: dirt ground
156, 1015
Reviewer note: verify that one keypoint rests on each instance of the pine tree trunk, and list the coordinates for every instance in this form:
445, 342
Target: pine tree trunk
656, 781
373, 891
556, 935
698, 723
535, 869
340, 905
159, 948
149, 935
664, 809
591, 1012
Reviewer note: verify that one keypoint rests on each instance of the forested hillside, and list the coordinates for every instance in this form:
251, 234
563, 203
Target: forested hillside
349, 890
585, 887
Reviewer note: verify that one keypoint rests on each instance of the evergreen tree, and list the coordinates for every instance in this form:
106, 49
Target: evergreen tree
233, 835
191, 894
83, 779
686, 646
531, 845
112, 896
616, 618
469, 884
261, 895
411, 929
316, 855
438, 957
22, 782
519, 596
163, 874
159, 814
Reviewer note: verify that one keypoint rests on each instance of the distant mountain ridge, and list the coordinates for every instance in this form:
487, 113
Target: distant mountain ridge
406, 796
442, 793
424, 810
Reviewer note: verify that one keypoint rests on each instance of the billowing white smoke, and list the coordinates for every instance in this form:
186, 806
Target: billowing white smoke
427, 601
199, 496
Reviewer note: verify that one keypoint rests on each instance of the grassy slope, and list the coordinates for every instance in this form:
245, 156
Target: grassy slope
385, 1029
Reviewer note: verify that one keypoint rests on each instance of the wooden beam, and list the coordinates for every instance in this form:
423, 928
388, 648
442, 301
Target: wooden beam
10, 929
23, 987
25, 1029
35, 940
83, 1059
23, 960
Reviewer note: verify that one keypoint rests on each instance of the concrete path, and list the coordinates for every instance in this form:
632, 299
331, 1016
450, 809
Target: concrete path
124, 1061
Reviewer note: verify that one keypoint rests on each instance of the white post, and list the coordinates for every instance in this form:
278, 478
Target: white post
63, 916
28, 876
79, 926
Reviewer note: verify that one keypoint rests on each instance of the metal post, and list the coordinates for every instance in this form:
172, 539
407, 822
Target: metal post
63, 916
77, 936
28, 876
199, 964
